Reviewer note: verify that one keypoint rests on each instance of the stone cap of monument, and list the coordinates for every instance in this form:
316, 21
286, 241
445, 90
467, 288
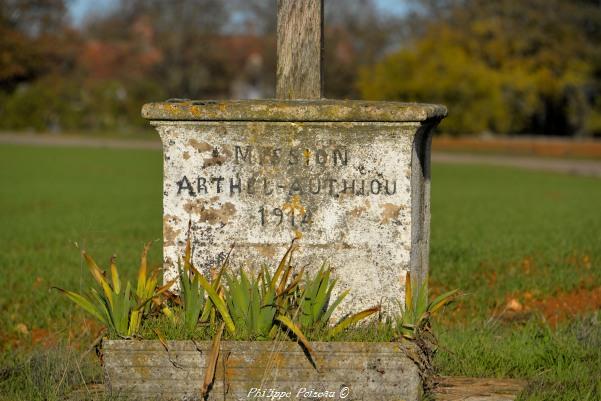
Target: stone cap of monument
323, 110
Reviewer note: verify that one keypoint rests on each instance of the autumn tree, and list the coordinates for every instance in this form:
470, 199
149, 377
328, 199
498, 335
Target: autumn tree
504, 66
357, 35
33, 40
183, 32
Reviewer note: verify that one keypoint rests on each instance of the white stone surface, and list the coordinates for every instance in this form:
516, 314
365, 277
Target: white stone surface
233, 181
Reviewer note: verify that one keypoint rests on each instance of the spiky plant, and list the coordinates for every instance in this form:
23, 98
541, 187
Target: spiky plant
192, 303
315, 308
254, 308
413, 323
120, 308
416, 312
257, 306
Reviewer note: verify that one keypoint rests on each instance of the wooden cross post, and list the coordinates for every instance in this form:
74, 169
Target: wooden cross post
300, 49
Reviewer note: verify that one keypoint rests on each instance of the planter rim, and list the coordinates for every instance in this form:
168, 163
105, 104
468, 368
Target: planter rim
135, 340
132, 345
323, 110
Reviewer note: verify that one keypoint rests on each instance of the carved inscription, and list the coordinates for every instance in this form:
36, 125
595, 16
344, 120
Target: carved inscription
322, 164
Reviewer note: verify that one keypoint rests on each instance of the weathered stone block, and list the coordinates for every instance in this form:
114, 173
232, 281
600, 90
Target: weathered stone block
144, 370
349, 178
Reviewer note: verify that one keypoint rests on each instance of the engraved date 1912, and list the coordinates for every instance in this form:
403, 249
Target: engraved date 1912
277, 216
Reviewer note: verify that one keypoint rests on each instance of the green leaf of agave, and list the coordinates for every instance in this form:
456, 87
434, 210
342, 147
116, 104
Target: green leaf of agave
121, 312
254, 308
321, 298
104, 308
209, 306
238, 300
309, 299
192, 297
441, 301
266, 313
84, 303
408, 291
219, 304
334, 305
115, 276
422, 300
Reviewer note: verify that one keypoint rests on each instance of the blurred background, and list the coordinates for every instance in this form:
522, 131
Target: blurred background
506, 67
517, 232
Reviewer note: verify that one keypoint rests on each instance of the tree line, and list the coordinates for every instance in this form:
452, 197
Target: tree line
505, 67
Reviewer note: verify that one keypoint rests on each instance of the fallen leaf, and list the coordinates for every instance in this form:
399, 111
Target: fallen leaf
586, 261
22, 328
38, 282
514, 305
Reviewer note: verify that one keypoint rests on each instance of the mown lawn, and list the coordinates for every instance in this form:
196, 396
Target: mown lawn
525, 248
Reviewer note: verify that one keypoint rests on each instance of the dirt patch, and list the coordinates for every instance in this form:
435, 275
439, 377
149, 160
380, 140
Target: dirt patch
79, 334
555, 309
568, 304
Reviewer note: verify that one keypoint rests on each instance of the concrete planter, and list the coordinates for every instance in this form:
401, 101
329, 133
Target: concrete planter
260, 370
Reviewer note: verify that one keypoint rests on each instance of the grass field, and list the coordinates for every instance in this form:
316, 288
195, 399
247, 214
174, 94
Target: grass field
525, 248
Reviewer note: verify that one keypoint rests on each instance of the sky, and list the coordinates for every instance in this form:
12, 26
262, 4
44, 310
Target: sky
80, 8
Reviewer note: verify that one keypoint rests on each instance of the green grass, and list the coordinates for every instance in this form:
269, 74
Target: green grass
54, 200
500, 231
497, 233
560, 364
48, 374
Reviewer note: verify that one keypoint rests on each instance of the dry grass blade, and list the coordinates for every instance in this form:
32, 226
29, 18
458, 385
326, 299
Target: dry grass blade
283, 263
284, 280
98, 275
294, 282
161, 338
163, 342
164, 288
289, 324
351, 320
212, 363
